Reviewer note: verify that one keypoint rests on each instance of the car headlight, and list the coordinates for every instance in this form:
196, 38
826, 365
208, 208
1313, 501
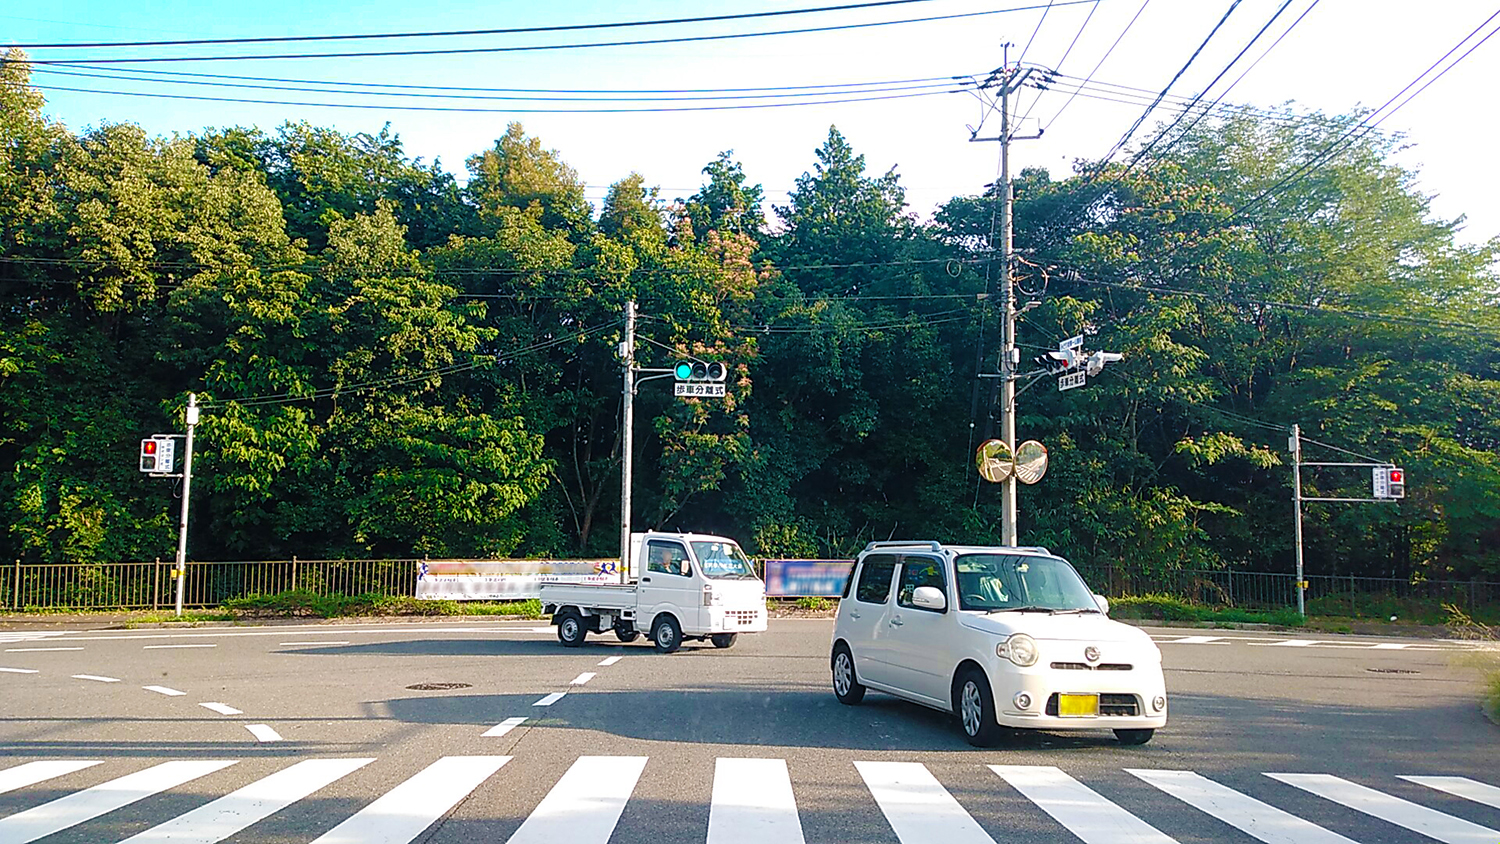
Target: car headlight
1018, 648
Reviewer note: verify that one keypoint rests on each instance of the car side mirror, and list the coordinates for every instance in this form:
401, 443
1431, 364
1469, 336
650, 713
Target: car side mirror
928, 598
1103, 603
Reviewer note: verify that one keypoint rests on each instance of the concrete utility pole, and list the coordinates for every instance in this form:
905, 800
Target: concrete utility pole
1009, 359
187, 489
627, 363
1296, 444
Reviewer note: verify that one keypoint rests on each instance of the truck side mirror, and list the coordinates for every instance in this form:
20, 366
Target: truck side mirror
928, 598
1103, 603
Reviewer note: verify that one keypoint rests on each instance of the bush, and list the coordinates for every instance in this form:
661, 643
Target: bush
815, 604
1487, 661
1172, 608
300, 603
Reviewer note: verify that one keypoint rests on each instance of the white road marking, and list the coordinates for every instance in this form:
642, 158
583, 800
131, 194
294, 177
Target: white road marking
550, 699
255, 802
17, 670
263, 732
583, 678
1390, 646
1094, 819
401, 814
64, 812
37, 650
917, 806
1462, 787
753, 803
494, 627
221, 708
305, 644
1197, 640
166, 647
163, 690
504, 727
32, 773
1293, 643
96, 677
1240, 811
540, 630
1419, 819
611, 660
586, 803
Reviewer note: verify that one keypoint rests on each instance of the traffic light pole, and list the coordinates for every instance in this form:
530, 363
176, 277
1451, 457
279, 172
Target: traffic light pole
1296, 445
627, 361
187, 488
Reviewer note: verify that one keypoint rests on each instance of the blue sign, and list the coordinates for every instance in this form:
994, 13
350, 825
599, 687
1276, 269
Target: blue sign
806, 578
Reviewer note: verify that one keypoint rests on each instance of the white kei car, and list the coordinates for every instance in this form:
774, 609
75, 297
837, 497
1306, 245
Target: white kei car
1001, 637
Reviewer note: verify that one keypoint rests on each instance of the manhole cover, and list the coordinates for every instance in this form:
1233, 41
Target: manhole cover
1392, 671
437, 687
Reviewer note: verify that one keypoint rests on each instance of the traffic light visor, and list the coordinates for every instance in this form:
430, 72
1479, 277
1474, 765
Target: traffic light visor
683, 370
716, 372
700, 370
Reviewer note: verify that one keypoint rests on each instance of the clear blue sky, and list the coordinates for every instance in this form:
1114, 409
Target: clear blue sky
1345, 52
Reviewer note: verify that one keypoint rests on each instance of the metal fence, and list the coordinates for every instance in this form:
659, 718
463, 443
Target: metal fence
149, 585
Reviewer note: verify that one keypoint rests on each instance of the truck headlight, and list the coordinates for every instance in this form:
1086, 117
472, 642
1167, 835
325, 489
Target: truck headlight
1019, 649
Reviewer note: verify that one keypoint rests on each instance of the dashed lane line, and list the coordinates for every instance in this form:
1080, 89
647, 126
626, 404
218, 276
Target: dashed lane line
307, 644
583, 678
550, 699
166, 647
163, 690
17, 670
504, 727
263, 732
611, 660
96, 678
222, 709
37, 650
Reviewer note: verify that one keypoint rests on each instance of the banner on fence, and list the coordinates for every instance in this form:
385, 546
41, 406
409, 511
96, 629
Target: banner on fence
505, 580
806, 578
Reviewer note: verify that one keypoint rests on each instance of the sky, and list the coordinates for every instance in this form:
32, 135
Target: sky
1342, 54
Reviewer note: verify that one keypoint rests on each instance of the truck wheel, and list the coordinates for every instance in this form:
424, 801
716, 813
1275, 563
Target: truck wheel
627, 634
666, 633
846, 685
724, 640
1134, 736
975, 707
570, 629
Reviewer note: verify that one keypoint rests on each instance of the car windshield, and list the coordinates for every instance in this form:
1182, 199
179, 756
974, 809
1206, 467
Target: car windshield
723, 561
1000, 582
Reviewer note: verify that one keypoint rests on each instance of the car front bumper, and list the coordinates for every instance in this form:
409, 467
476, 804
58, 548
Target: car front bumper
1126, 698
736, 621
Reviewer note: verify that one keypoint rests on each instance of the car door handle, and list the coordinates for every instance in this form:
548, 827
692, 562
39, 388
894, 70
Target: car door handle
897, 622
645, 580
853, 614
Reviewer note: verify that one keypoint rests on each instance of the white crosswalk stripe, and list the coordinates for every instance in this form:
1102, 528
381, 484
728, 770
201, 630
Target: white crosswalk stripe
1420, 819
1463, 787
92, 802
585, 804
1094, 819
752, 800
917, 806
753, 803
1243, 812
32, 773
405, 811
255, 802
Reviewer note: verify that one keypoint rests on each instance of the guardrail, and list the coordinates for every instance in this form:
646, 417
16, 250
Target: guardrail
149, 585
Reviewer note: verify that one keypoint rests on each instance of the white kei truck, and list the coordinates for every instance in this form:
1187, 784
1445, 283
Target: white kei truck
679, 586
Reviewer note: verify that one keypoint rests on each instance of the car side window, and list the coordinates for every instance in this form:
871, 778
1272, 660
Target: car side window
875, 579
667, 558
920, 571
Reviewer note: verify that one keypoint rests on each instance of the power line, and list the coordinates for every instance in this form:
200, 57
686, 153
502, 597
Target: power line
1039, 22
1068, 52
1102, 60
541, 47
529, 30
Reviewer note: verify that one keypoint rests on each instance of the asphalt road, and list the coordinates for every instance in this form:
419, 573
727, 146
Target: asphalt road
325, 732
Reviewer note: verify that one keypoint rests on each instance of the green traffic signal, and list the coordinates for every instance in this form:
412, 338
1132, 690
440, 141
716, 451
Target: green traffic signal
683, 370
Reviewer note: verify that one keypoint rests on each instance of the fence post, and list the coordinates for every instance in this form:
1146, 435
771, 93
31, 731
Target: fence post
15, 588
156, 584
1353, 612
1472, 581
294, 572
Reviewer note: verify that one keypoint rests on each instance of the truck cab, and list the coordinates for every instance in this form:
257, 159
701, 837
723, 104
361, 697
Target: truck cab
679, 587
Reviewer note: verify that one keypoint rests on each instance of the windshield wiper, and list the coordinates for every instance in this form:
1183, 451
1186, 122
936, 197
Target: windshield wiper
1074, 611
1022, 609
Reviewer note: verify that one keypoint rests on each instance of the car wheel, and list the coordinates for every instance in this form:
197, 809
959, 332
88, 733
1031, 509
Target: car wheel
1134, 736
724, 640
975, 707
666, 634
846, 685
570, 629
627, 635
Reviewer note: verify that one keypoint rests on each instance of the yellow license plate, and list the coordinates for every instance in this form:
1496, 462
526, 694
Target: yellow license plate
1077, 706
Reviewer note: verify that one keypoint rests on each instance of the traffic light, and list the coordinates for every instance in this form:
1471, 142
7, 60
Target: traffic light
1395, 486
1058, 361
158, 455
697, 370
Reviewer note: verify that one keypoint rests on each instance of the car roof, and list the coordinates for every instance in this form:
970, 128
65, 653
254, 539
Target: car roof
932, 545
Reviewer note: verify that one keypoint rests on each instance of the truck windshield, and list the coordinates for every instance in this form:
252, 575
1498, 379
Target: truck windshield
723, 561
1011, 582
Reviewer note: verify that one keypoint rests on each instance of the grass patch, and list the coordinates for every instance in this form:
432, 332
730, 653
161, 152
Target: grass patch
1462, 626
1171, 608
301, 603
815, 604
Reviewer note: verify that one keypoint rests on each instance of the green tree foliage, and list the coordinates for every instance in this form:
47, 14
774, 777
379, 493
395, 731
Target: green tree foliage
394, 365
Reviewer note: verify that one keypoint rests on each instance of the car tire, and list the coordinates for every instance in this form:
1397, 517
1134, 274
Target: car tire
846, 685
627, 635
570, 629
974, 704
1134, 736
666, 634
724, 640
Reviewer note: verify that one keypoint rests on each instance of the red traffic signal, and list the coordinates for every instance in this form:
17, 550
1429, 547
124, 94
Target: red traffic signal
1396, 476
1395, 482
148, 446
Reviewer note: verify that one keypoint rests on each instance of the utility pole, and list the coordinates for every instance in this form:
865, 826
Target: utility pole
187, 489
1296, 445
627, 362
1010, 81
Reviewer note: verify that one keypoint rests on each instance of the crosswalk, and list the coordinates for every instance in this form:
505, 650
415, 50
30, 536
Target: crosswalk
749, 801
